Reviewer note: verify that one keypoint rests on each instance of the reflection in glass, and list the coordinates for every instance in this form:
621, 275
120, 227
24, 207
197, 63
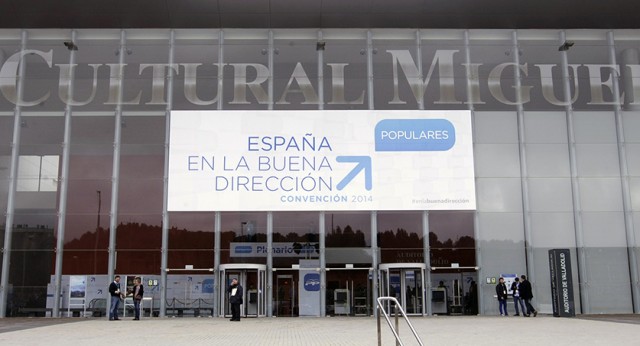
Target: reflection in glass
400, 237
238, 228
191, 240
451, 238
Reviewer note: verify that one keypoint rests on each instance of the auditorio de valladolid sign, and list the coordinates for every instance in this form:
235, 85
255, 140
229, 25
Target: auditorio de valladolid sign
321, 160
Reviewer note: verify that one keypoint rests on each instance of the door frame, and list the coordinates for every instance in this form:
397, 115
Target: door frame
242, 269
384, 282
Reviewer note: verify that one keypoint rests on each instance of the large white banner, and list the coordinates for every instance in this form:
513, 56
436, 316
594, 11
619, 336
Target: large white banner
321, 160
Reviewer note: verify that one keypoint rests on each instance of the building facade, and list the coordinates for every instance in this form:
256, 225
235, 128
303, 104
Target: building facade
84, 168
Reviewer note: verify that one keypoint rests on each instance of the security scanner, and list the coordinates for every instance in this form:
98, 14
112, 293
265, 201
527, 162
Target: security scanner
341, 301
439, 300
252, 302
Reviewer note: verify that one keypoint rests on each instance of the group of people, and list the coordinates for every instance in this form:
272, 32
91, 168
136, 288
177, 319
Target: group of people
137, 292
522, 295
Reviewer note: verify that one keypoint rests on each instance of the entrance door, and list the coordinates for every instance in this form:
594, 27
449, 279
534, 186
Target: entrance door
285, 296
405, 282
252, 278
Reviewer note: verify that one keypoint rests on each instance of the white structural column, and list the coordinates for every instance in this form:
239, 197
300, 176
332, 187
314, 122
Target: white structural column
216, 266
115, 176
374, 214
575, 185
427, 262
524, 174
13, 179
164, 251
425, 214
270, 213
64, 181
269, 264
321, 215
624, 180
471, 80
217, 226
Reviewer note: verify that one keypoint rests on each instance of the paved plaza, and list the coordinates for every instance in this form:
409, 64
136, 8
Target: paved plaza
437, 330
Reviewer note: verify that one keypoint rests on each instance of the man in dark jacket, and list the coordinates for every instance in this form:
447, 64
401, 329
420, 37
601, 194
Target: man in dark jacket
526, 293
116, 293
501, 292
235, 298
517, 300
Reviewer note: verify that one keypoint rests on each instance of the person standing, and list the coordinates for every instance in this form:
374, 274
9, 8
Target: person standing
526, 293
235, 298
501, 292
138, 293
517, 300
115, 292
473, 297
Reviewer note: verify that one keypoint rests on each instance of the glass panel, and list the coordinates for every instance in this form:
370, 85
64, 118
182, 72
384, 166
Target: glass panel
248, 53
6, 132
348, 239
604, 229
191, 240
543, 73
140, 193
631, 123
248, 229
345, 70
89, 196
400, 237
296, 71
9, 47
494, 56
548, 160
95, 58
495, 127
553, 230
633, 159
451, 238
196, 84
499, 194
593, 93
600, 194
41, 81
298, 230
32, 259
446, 88
634, 186
550, 195
395, 91
35, 219
545, 127
144, 90
497, 160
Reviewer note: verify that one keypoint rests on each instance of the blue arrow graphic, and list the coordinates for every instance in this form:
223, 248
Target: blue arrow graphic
363, 162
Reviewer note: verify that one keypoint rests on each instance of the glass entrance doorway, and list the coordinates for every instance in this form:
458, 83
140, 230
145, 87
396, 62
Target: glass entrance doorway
285, 301
252, 277
405, 282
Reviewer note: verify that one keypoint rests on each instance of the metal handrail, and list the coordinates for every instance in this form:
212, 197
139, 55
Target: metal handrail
394, 330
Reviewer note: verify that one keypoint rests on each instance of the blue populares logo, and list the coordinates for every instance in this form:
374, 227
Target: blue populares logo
207, 286
243, 249
312, 282
414, 135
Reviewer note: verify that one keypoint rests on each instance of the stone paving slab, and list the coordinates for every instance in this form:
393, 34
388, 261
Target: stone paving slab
441, 330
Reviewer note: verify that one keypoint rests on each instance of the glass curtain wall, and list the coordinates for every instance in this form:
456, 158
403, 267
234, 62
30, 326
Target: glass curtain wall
549, 174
